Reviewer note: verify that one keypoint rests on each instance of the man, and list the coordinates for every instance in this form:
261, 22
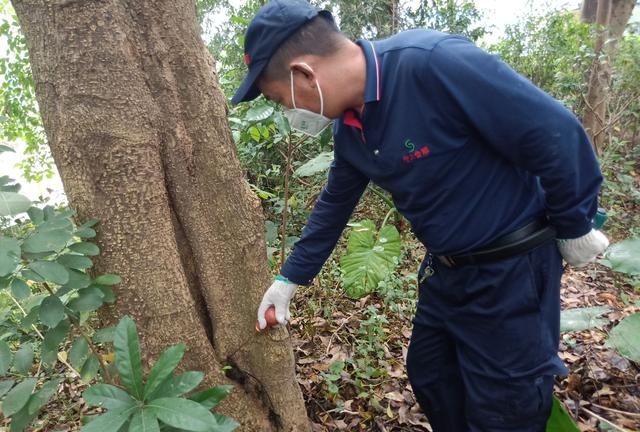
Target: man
488, 169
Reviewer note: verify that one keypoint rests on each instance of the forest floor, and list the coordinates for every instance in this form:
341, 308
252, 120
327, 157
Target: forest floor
601, 385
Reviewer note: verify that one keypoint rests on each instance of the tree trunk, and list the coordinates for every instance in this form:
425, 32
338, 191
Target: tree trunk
137, 126
611, 16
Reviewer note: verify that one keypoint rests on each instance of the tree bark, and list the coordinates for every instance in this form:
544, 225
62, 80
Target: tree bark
137, 126
611, 17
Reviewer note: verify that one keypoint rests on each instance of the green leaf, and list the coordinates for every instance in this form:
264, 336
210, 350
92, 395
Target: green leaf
281, 123
89, 299
23, 359
51, 271
5, 357
127, 350
31, 276
624, 257
85, 233
47, 241
211, 397
78, 351
36, 215
185, 382
370, 257
49, 356
78, 262
56, 335
51, 311
109, 422
89, 369
163, 368
108, 396
108, 295
582, 318
20, 289
9, 255
5, 386
625, 337
85, 248
182, 413
224, 424
559, 420
42, 396
108, 279
18, 397
77, 280
21, 419
258, 113
4, 148
105, 335
144, 421
318, 164
12, 203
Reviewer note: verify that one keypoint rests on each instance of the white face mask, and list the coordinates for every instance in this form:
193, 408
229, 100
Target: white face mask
306, 121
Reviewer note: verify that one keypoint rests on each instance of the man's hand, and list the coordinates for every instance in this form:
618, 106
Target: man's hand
279, 294
582, 250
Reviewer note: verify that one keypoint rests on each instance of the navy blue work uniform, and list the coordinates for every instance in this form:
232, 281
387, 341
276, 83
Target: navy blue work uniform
470, 151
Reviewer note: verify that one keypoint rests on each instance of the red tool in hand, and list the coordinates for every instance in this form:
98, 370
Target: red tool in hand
270, 317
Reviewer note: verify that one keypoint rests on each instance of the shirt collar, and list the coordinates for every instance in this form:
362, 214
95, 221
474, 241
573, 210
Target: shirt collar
372, 86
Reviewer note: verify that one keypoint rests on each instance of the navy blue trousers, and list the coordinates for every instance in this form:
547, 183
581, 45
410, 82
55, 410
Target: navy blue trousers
483, 353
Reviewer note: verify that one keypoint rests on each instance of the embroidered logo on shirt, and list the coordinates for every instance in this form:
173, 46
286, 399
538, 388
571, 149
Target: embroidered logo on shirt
414, 154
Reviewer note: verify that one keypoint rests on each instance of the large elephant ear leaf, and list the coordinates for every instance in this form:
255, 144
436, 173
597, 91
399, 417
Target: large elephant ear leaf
371, 256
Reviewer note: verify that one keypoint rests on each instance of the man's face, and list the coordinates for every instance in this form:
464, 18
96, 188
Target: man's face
306, 92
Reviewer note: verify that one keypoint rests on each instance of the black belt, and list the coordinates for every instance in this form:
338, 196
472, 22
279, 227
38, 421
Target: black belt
515, 243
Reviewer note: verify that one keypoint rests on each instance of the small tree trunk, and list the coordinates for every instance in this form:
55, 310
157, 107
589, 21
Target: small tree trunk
611, 16
137, 127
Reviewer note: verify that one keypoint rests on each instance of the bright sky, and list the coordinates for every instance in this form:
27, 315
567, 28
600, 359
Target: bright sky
498, 14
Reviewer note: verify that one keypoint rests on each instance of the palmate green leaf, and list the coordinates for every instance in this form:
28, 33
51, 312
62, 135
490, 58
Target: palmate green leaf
108, 396
18, 397
582, 318
5, 386
9, 255
181, 384
20, 289
182, 413
111, 421
23, 359
78, 352
144, 421
12, 203
85, 248
51, 311
47, 241
258, 113
89, 369
108, 279
73, 261
317, 165
5, 357
51, 271
625, 337
559, 420
210, 398
624, 257
42, 396
370, 257
127, 352
163, 368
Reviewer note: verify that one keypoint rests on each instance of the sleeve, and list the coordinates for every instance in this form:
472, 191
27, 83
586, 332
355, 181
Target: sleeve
523, 124
326, 222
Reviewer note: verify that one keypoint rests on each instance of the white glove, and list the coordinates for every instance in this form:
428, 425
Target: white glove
582, 250
279, 294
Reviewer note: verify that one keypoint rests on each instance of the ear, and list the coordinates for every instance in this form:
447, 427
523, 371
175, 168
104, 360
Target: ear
303, 72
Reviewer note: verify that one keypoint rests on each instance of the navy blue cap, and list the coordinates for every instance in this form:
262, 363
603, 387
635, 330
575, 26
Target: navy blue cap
274, 23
